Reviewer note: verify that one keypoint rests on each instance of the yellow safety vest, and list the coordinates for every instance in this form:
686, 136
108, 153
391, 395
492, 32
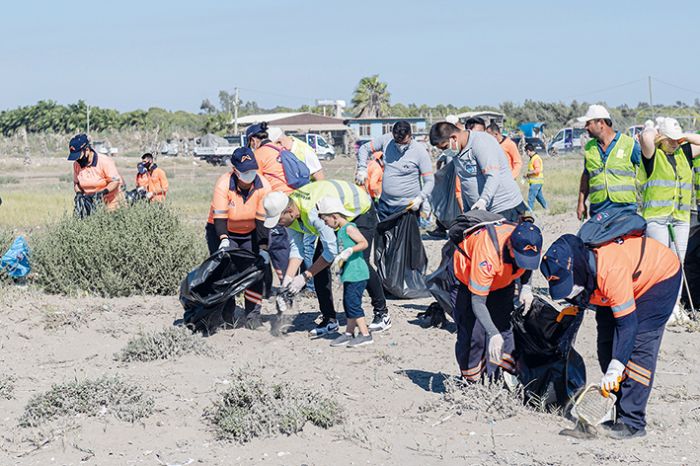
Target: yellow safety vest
667, 192
614, 179
354, 199
696, 178
538, 179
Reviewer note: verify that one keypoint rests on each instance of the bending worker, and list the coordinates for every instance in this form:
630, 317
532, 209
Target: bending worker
298, 213
490, 261
152, 179
236, 220
94, 175
632, 284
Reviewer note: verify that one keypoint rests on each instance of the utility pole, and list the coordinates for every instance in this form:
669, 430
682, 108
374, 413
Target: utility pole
651, 101
88, 121
235, 111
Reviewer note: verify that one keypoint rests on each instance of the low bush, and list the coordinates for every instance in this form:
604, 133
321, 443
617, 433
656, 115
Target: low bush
9, 180
144, 249
253, 408
97, 397
7, 387
169, 343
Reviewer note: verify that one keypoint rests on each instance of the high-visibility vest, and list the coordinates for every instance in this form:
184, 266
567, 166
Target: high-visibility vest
696, 179
536, 179
614, 179
667, 192
354, 199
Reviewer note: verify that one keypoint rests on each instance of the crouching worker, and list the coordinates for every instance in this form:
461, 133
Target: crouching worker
632, 284
487, 263
352, 267
95, 178
236, 220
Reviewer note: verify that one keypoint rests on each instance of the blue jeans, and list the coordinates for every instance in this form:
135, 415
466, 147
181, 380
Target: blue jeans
352, 299
535, 192
309, 247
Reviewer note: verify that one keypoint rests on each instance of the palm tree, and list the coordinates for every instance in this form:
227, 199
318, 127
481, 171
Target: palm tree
371, 98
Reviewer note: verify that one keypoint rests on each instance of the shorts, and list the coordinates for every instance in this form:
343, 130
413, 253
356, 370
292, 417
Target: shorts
352, 299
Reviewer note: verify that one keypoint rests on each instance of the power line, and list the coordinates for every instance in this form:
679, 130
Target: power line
598, 91
312, 99
677, 87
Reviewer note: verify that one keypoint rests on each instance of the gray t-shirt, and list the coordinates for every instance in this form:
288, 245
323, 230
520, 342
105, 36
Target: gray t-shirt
483, 168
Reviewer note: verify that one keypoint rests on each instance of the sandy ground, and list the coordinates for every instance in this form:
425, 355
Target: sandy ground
384, 389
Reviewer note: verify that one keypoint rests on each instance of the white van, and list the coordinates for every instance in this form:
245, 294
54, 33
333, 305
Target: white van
324, 151
567, 139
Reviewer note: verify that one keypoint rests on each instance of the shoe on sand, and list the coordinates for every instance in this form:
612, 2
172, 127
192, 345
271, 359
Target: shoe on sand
342, 340
361, 340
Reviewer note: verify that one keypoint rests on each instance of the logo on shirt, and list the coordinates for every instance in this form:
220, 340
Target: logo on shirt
486, 266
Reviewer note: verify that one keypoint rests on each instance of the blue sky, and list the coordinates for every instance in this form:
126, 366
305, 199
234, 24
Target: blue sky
172, 54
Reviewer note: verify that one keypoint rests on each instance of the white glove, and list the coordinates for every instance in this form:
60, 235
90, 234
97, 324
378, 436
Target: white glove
340, 259
224, 244
526, 297
286, 281
297, 284
612, 378
265, 256
360, 177
415, 203
496, 347
479, 205
149, 195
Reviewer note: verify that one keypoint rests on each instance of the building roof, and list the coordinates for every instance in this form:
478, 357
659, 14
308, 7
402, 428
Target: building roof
480, 113
385, 119
269, 117
298, 121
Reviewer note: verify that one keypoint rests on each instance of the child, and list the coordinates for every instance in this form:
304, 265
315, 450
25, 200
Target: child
355, 272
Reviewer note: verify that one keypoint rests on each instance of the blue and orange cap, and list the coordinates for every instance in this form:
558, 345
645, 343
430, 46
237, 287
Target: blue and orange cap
243, 159
526, 242
76, 146
557, 267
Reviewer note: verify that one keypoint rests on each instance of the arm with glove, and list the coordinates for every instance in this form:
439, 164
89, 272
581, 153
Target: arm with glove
360, 245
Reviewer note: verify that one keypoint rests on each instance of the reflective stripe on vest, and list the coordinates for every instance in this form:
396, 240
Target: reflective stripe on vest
614, 179
667, 192
355, 200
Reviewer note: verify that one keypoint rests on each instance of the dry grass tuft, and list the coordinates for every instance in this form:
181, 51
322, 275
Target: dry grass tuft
169, 343
7, 387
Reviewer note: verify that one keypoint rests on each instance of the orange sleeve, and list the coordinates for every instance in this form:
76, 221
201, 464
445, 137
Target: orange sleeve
616, 285
109, 171
516, 162
483, 266
163, 180
76, 170
220, 200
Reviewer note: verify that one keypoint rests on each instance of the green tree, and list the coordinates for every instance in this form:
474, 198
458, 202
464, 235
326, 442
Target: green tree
371, 98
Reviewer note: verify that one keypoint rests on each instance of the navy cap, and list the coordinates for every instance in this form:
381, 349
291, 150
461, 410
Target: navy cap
526, 242
243, 159
557, 267
76, 146
255, 129
141, 168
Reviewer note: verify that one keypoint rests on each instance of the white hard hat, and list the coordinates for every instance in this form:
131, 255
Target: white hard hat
274, 133
332, 205
274, 204
595, 112
670, 128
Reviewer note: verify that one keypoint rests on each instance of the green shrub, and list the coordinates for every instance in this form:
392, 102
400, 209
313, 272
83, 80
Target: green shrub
144, 249
169, 343
9, 180
7, 387
252, 408
105, 395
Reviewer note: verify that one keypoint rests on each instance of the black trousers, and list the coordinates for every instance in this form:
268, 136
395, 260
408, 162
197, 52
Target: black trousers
513, 214
367, 224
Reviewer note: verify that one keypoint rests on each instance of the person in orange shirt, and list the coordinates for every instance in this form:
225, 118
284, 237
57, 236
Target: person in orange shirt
483, 300
632, 284
509, 147
94, 177
236, 220
375, 174
153, 179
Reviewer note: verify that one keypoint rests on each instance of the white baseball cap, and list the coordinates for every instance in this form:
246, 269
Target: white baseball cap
274, 204
452, 119
274, 133
595, 112
670, 128
332, 205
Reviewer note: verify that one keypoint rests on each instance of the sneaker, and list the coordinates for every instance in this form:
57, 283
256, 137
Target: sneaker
326, 326
253, 321
678, 316
360, 340
342, 340
381, 322
621, 431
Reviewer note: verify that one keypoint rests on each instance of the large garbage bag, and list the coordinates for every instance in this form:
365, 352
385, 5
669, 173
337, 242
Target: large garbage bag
692, 269
443, 199
210, 290
400, 257
442, 281
15, 261
548, 366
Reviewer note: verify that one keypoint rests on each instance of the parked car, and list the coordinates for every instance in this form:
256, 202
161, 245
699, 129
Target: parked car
567, 139
537, 143
103, 147
324, 151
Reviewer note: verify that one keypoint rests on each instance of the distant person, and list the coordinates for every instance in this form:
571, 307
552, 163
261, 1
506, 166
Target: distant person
94, 176
482, 168
375, 175
152, 179
535, 178
611, 160
509, 147
353, 269
475, 124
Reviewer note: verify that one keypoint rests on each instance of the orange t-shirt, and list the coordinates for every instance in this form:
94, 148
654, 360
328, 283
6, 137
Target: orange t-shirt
270, 165
241, 212
96, 176
615, 264
157, 184
142, 180
484, 270
513, 155
375, 175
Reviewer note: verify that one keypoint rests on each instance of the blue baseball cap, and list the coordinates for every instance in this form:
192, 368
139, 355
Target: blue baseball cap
526, 241
141, 168
243, 159
255, 129
76, 146
557, 267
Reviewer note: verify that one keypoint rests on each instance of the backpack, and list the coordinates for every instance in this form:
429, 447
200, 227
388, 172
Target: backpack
296, 172
613, 225
472, 221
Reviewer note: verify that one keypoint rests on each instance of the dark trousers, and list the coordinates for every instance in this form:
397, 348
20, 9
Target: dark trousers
639, 375
471, 348
513, 214
367, 224
278, 247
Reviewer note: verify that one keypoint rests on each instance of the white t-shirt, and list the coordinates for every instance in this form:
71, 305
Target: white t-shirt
306, 153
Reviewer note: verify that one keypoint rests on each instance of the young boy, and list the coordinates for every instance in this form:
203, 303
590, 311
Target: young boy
355, 272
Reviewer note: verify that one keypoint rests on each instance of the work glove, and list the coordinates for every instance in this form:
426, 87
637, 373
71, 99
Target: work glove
425, 210
297, 284
526, 297
286, 281
265, 256
479, 205
415, 203
149, 195
496, 347
340, 259
224, 244
360, 177
612, 378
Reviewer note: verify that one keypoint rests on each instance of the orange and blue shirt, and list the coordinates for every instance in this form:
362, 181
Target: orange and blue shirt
95, 177
240, 209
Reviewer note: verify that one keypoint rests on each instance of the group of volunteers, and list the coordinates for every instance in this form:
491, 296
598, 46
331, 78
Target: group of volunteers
277, 202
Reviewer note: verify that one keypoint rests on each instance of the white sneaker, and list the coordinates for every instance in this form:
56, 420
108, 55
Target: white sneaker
678, 316
380, 323
326, 326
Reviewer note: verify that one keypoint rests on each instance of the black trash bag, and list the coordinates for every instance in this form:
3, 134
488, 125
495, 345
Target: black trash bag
84, 204
692, 269
443, 199
209, 291
442, 281
400, 256
548, 366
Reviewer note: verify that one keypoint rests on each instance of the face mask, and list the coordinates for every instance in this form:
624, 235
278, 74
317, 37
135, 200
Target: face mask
451, 151
83, 161
247, 177
575, 291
